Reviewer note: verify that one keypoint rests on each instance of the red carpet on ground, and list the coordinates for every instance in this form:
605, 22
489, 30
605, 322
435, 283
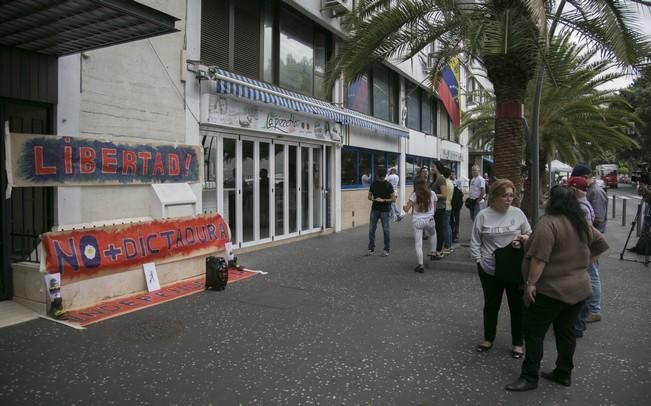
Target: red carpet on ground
127, 304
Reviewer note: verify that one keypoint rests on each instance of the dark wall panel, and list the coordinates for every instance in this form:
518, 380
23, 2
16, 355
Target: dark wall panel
28, 76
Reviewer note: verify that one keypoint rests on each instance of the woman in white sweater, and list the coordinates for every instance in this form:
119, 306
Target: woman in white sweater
423, 202
495, 227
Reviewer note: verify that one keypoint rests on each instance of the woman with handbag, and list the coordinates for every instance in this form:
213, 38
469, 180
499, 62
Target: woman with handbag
557, 284
422, 201
498, 226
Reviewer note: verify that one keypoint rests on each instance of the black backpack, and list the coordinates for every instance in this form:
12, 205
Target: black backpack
457, 198
216, 273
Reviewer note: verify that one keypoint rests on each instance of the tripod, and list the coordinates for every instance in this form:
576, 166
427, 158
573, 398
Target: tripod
633, 224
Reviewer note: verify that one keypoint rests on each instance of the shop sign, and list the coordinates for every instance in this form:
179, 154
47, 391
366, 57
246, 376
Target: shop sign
450, 155
48, 160
230, 112
80, 254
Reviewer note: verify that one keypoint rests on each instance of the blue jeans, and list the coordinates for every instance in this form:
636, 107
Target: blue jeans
394, 213
447, 229
384, 217
594, 303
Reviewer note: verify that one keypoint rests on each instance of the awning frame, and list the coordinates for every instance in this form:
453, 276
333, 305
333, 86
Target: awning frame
233, 84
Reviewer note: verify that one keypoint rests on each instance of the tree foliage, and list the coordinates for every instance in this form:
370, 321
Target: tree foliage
507, 37
638, 96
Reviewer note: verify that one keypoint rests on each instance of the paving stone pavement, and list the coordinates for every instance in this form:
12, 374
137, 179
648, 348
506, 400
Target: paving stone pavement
331, 326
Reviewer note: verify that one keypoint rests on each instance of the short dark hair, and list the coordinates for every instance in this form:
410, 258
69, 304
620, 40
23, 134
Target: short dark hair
645, 178
380, 172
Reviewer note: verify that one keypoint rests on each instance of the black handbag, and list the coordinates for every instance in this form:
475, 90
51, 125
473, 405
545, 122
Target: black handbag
508, 264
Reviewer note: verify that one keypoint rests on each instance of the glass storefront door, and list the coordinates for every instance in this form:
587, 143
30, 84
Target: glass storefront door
270, 190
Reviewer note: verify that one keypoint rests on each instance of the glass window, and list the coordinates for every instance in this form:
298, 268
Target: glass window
320, 60
445, 125
348, 164
380, 161
393, 161
365, 168
296, 70
413, 107
426, 111
410, 169
267, 58
382, 93
358, 95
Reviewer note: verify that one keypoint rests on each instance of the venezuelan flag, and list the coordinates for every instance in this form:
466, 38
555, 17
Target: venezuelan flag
448, 89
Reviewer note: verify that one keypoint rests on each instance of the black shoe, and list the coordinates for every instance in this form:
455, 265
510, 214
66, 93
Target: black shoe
521, 385
551, 376
419, 269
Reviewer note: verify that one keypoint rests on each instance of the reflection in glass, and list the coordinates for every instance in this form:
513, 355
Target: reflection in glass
380, 162
265, 190
267, 57
316, 187
358, 97
305, 188
248, 177
382, 97
296, 70
293, 189
413, 107
230, 193
348, 176
279, 182
365, 167
426, 113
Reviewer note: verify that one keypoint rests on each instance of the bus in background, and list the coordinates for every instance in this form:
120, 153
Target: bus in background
608, 173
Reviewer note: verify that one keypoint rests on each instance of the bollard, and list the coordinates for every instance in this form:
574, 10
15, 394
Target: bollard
624, 211
614, 198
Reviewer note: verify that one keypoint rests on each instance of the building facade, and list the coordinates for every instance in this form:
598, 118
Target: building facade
283, 158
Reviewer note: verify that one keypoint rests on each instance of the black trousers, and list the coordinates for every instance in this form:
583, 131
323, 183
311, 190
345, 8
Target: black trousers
454, 222
538, 317
493, 292
440, 232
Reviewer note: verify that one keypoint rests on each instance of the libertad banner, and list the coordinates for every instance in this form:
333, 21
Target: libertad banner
47, 160
80, 254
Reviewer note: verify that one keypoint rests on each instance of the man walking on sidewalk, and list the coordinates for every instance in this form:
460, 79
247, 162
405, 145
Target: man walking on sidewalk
598, 200
476, 192
381, 193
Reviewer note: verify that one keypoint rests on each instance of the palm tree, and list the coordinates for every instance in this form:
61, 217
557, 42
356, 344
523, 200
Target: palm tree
507, 37
577, 119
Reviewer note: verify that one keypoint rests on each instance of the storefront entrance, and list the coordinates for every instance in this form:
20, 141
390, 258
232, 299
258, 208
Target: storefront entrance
266, 190
30, 211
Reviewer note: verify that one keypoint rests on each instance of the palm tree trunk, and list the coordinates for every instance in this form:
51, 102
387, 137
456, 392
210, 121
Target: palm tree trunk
509, 141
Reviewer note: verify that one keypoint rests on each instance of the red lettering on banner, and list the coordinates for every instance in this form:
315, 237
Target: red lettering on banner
109, 161
128, 162
158, 165
39, 167
67, 159
122, 247
86, 160
173, 165
146, 157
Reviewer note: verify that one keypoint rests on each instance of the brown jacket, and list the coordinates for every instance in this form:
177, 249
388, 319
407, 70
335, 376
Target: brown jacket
556, 242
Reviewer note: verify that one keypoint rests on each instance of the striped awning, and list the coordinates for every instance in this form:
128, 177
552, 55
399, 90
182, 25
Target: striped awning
229, 83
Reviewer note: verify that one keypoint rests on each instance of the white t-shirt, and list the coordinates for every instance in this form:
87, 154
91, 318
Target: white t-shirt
476, 184
394, 180
493, 229
423, 214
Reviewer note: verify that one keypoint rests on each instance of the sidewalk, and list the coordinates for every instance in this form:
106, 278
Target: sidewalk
329, 326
